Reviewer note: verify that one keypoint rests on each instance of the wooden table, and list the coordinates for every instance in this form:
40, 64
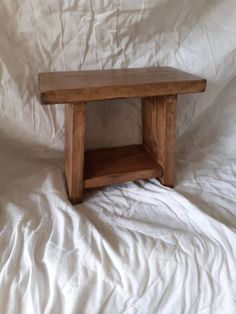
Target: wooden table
154, 158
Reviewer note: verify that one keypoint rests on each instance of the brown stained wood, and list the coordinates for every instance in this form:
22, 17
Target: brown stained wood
75, 119
158, 87
71, 87
159, 127
120, 164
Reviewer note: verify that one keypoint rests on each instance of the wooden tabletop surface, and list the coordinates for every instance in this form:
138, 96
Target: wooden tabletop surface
62, 87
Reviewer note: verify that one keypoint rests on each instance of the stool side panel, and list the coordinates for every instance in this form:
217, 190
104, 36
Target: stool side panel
159, 127
75, 118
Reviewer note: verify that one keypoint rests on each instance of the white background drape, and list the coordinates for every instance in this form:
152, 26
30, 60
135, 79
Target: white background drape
136, 247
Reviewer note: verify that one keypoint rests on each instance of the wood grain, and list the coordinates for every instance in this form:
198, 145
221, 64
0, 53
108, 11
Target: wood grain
75, 118
159, 128
158, 87
71, 87
120, 164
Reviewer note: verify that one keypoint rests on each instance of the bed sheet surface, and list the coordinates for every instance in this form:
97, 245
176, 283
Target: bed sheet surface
136, 247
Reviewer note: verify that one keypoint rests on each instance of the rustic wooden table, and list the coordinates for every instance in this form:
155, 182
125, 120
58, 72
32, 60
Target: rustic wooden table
154, 158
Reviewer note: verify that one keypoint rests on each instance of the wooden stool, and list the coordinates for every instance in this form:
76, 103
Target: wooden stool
154, 158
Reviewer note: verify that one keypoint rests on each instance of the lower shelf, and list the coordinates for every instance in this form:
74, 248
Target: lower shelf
119, 164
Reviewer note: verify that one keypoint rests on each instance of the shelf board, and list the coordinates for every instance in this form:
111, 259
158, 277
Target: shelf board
119, 164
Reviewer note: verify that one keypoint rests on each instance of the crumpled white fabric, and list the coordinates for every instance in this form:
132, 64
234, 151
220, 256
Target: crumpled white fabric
130, 248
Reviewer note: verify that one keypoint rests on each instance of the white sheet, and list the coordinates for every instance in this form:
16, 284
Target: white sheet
132, 248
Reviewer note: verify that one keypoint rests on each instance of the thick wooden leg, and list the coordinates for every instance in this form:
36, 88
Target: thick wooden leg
159, 123
75, 119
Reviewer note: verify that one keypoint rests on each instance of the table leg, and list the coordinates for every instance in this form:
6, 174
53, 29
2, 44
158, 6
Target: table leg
159, 127
75, 120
